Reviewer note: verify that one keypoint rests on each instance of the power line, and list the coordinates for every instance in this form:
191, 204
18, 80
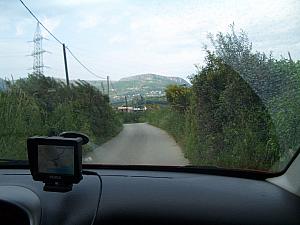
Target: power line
91, 72
40, 22
60, 42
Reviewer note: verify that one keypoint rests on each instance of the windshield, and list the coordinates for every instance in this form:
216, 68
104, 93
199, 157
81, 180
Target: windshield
164, 83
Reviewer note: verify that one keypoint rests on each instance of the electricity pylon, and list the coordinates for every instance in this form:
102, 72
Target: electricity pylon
38, 64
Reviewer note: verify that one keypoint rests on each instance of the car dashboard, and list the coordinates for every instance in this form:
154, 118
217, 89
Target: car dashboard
120, 196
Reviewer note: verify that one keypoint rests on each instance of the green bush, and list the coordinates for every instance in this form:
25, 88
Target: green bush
170, 120
40, 105
242, 110
20, 117
236, 126
132, 117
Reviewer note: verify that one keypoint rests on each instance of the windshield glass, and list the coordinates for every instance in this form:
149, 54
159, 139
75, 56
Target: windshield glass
169, 83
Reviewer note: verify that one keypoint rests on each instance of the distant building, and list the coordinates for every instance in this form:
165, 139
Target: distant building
125, 109
131, 109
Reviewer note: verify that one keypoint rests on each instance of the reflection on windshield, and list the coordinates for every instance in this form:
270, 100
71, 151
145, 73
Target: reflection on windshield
238, 108
276, 82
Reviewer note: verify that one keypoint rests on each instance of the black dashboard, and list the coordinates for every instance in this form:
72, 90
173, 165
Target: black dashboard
147, 197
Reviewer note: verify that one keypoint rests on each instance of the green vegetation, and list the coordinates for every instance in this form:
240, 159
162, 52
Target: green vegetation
242, 111
132, 117
170, 120
40, 105
161, 101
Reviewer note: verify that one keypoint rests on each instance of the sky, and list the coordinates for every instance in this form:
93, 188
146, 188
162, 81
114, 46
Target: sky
119, 38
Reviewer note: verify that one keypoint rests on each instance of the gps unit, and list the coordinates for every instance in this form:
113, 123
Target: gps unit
56, 161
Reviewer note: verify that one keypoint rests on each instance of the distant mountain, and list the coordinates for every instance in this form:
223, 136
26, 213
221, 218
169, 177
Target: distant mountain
155, 78
146, 85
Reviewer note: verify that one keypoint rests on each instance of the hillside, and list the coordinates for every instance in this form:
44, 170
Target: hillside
147, 85
155, 78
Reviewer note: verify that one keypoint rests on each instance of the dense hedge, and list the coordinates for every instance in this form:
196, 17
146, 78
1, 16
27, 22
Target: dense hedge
40, 105
242, 111
232, 126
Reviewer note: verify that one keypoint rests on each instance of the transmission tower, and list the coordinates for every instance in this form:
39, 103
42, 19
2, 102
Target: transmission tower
38, 64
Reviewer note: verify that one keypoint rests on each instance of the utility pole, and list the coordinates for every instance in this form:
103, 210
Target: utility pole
66, 65
108, 86
290, 56
126, 103
102, 87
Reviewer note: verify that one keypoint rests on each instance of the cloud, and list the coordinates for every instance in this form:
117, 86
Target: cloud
169, 32
117, 39
188, 26
89, 21
51, 24
4, 23
78, 2
19, 31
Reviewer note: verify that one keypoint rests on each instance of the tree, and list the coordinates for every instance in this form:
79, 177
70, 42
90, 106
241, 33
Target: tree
178, 97
231, 103
276, 82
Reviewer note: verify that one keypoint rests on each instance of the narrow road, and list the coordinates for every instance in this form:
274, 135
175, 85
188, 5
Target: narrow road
139, 144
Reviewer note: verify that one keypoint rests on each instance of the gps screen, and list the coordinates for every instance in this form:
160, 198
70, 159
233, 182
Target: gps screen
56, 159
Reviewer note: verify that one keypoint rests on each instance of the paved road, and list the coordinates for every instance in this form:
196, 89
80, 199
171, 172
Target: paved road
139, 144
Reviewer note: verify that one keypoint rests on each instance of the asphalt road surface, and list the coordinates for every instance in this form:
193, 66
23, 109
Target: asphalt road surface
138, 144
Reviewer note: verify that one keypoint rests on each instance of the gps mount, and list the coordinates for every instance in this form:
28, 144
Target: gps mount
57, 160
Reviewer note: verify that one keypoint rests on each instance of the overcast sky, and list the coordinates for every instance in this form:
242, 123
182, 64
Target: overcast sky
121, 38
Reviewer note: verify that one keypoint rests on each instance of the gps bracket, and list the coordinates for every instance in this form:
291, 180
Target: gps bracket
57, 187
56, 160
